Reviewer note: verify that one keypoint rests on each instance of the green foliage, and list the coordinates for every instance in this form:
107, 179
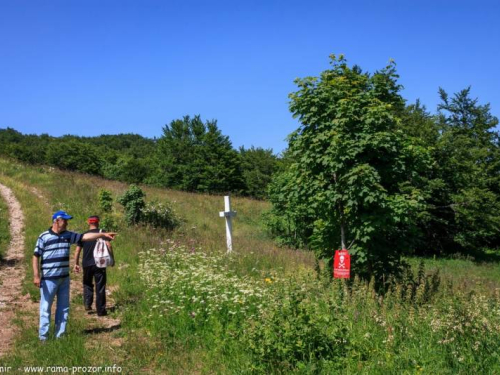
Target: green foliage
469, 158
133, 202
461, 189
128, 169
454, 331
296, 329
297, 323
258, 166
105, 200
74, 156
195, 156
109, 223
160, 215
289, 221
190, 156
124, 157
351, 180
419, 289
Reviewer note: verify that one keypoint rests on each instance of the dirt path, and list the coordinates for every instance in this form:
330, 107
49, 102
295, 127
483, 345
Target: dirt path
11, 271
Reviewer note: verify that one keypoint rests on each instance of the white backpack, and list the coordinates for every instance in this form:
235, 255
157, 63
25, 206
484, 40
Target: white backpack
102, 256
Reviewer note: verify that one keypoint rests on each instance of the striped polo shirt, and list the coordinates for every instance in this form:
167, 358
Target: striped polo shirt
53, 249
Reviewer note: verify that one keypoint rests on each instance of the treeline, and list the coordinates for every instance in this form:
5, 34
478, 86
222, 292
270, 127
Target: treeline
368, 172
191, 155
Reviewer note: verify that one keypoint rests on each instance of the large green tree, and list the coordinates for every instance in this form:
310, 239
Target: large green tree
466, 189
195, 156
258, 166
351, 182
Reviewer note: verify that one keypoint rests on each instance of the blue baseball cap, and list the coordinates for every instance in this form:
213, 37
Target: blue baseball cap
62, 215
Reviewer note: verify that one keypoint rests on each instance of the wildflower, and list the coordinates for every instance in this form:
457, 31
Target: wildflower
268, 280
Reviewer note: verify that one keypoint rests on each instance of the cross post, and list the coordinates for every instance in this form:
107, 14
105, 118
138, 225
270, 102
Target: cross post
228, 214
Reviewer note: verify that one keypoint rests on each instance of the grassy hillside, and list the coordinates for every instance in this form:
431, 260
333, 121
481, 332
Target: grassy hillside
185, 307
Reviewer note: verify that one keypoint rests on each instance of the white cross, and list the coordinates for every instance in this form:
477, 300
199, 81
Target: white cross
228, 214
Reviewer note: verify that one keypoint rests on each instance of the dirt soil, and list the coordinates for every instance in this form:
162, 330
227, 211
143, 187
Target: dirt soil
11, 272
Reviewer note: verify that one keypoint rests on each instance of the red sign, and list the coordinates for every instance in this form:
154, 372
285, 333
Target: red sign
342, 264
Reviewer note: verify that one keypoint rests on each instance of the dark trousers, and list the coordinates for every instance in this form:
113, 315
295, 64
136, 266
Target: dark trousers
99, 274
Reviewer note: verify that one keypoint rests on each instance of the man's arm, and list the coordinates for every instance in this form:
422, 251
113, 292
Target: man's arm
76, 268
36, 271
110, 236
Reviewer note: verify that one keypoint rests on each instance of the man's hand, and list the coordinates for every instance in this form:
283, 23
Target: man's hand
76, 268
110, 236
36, 281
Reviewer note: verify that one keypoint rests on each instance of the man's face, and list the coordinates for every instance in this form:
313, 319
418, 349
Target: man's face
61, 224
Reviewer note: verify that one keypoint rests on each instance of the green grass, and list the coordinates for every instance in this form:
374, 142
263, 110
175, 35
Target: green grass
202, 227
4, 228
298, 313
465, 274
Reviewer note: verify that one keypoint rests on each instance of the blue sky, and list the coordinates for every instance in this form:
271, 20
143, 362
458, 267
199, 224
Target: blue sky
118, 66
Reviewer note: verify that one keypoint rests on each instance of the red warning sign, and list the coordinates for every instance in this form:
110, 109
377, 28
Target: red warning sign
342, 264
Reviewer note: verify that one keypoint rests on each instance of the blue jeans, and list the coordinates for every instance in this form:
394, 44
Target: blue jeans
49, 289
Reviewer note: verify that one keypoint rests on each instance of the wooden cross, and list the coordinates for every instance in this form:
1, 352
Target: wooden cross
228, 214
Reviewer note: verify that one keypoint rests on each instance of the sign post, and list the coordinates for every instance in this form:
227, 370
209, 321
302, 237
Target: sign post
342, 264
228, 214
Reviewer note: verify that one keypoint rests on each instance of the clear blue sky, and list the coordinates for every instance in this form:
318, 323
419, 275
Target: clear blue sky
90, 67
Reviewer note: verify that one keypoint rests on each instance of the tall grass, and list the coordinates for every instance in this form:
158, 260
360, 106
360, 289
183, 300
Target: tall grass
202, 227
4, 228
264, 309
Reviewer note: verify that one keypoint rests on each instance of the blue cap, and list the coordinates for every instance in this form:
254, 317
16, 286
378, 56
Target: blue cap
62, 215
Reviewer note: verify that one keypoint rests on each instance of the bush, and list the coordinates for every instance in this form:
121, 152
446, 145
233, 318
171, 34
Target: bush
109, 223
105, 200
133, 202
160, 215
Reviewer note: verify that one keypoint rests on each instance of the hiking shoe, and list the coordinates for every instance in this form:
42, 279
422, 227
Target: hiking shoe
102, 313
88, 308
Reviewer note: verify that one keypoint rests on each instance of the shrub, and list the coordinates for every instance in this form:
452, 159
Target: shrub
109, 223
160, 215
105, 200
133, 202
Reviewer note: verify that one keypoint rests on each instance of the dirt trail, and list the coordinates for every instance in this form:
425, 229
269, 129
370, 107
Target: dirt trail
11, 271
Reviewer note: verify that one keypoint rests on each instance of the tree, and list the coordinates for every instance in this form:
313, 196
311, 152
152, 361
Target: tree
258, 166
74, 156
133, 201
353, 171
195, 156
466, 200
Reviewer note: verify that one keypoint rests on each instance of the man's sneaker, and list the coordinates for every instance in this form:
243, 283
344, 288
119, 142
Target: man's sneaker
102, 313
88, 308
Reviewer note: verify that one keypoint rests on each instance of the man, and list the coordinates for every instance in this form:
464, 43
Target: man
91, 272
52, 248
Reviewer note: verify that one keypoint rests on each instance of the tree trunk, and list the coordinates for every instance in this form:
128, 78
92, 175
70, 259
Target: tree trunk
342, 221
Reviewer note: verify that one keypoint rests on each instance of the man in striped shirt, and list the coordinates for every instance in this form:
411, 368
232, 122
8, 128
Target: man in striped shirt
52, 249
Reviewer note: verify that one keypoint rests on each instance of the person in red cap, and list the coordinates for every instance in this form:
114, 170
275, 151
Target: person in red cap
91, 272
